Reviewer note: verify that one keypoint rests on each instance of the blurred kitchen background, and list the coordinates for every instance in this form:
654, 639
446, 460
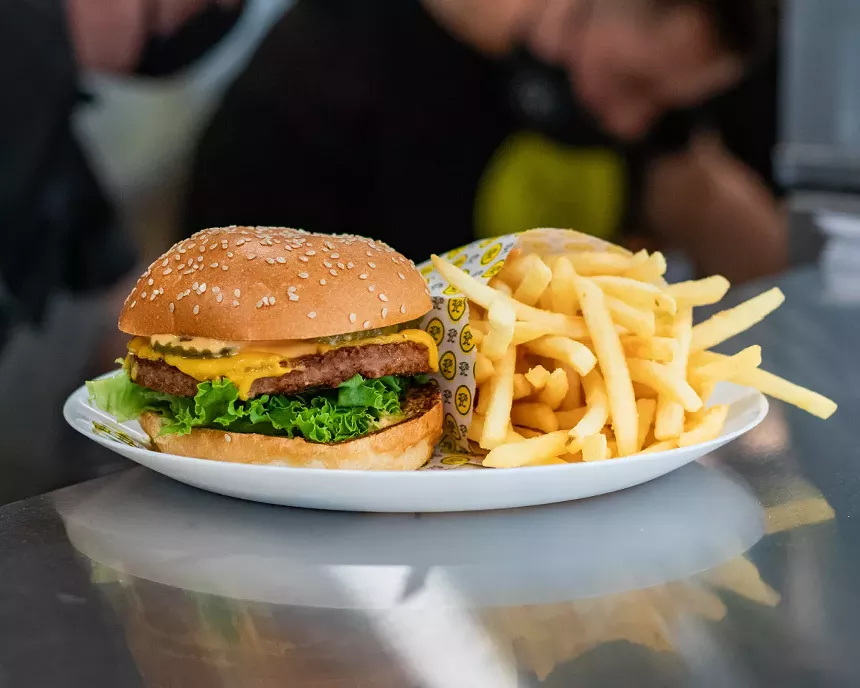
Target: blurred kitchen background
140, 134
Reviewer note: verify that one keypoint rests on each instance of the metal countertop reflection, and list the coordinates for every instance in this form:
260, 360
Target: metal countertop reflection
741, 570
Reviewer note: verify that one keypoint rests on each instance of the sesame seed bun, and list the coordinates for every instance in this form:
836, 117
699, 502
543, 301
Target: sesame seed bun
273, 283
403, 447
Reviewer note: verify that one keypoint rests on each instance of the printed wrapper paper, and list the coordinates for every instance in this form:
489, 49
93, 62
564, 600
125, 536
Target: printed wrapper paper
448, 323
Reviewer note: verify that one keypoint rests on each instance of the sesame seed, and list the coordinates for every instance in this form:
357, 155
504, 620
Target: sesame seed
195, 310
372, 265
195, 286
384, 312
176, 257
322, 281
281, 260
303, 275
371, 288
171, 307
168, 271
363, 275
291, 288
143, 295
164, 262
383, 298
293, 297
229, 254
271, 300
327, 264
215, 290
341, 266
224, 267
403, 308
350, 265
203, 287
352, 317
335, 255
227, 438
265, 300
212, 247
237, 293
199, 259
333, 272
260, 303
190, 261
366, 324
310, 253
312, 315
180, 296
133, 304
202, 249
303, 259
401, 275
219, 298
251, 256
153, 295
270, 261
370, 254
182, 250
235, 303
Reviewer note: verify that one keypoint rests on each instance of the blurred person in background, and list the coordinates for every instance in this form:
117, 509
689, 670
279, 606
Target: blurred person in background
59, 231
428, 123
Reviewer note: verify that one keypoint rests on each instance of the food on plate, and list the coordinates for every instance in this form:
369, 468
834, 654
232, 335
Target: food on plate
591, 355
278, 346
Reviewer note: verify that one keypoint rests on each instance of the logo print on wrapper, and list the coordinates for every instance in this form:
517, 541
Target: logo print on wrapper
463, 400
467, 341
456, 308
436, 329
491, 253
452, 430
493, 271
448, 365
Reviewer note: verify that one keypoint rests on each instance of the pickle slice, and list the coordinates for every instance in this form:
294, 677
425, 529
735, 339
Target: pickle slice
191, 352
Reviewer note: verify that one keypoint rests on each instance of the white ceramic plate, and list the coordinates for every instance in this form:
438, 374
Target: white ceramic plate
421, 491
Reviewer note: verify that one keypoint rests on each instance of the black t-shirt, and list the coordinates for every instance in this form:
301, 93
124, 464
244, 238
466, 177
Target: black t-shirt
369, 117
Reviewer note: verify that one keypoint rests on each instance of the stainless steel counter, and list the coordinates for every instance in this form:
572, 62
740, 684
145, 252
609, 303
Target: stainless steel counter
739, 571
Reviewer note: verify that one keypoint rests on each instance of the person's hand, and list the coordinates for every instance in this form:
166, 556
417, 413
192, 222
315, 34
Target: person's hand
109, 35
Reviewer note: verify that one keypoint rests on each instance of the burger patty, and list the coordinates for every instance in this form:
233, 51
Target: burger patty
309, 372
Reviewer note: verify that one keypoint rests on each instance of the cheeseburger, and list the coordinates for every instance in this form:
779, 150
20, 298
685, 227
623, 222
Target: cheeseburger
278, 346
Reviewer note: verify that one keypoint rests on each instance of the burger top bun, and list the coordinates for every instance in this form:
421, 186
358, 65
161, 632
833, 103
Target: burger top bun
274, 283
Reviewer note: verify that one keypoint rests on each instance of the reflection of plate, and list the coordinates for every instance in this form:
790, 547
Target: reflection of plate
424, 491
152, 528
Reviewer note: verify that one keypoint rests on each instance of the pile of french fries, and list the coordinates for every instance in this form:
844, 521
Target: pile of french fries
590, 356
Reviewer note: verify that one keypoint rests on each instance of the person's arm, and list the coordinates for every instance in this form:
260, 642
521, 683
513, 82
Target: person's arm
709, 204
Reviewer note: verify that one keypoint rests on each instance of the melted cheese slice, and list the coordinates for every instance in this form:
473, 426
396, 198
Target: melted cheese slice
267, 359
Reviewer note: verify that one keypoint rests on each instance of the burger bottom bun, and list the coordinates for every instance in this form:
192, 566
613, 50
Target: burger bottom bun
405, 446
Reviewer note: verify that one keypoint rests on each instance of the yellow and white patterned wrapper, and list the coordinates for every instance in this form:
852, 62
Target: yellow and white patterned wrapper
448, 323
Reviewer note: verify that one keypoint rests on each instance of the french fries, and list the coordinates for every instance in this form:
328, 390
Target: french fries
529, 451
501, 398
538, 377
555, 391
590, 356
613, 364
597, 414
669, 421
727, 324
573, 353
699, 292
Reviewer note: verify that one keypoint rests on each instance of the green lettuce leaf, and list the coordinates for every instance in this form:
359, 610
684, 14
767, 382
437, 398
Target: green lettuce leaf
336, 415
